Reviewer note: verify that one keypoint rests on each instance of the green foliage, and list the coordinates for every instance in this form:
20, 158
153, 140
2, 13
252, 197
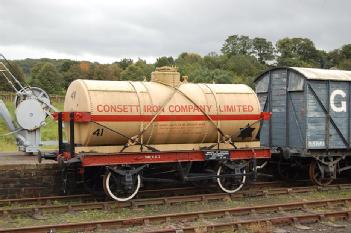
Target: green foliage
26, 65
87, 70
345, 64
339, 58
164, 61
222, 76
188, 64
114, 71
72, 73
124, 63
263, 49
244, 65
214, 61
188, 58
100, 72
333, 58
297, 52
259, 47
219, 68
346, 51
46, 76
137, 71
241, 79
211, 76
67, 64
236, 44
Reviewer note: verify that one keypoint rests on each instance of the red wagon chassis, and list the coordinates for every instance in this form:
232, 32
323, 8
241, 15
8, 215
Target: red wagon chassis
89, 159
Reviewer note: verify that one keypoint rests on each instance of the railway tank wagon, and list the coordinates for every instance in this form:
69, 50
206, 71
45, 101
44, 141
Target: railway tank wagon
121, 133
310, 123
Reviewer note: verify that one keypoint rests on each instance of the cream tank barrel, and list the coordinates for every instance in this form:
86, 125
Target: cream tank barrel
177, 111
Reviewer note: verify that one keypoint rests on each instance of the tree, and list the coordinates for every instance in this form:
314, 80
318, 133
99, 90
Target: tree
236, 44
188, 63
74, 72
26, 65
244, 65
188, 58
211, 76
346, 51
125, 62
101, 72
345, 64
214, 61
164, 61
104, 71
333, 58
297, 52
137, 71
262, 49
115, 71
66, 65
339, 58
46, 76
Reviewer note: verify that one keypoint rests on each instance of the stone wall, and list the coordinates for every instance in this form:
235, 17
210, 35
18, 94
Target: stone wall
17, 181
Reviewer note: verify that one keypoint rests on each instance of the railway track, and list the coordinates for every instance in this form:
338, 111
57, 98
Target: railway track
88, 197
296, 220
163, 192
297, 213
41, 210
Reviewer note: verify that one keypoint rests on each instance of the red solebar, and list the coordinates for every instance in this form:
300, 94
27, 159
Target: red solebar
89, 160
87, 117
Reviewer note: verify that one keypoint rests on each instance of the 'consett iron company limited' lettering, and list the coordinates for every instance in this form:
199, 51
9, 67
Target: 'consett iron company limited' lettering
174, 108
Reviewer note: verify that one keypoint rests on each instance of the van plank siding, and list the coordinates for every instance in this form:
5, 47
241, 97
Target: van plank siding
310, 108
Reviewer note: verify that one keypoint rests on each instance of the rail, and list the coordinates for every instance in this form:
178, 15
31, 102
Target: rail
307, 207
39, 210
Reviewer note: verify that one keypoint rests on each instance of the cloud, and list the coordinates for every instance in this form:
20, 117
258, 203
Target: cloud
106, 31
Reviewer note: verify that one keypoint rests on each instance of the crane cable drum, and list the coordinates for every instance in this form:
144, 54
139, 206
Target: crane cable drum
32, 107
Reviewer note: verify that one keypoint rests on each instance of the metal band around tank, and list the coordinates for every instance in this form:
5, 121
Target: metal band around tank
216, 100
141, 109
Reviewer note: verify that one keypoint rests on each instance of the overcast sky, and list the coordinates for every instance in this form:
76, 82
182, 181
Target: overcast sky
106, 31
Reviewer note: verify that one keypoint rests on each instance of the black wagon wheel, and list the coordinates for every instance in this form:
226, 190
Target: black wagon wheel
318, 174
119, 187
232, 184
